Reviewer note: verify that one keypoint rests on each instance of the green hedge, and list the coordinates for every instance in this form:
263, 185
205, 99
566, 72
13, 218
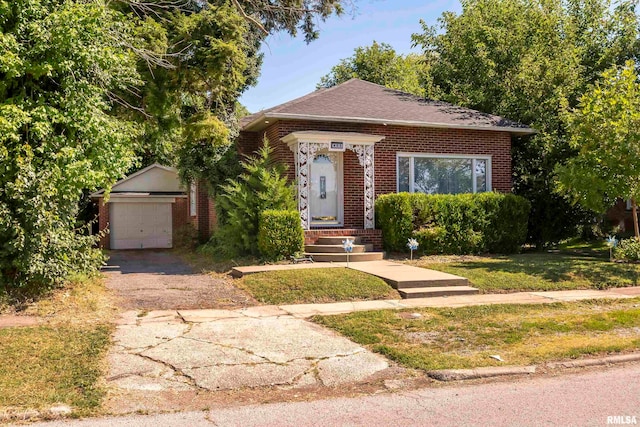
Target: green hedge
628, 250
280, 234
453, 224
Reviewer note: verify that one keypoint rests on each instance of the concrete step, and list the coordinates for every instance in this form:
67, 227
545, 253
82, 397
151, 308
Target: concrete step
334, 249
440, 291
435, 282
337, 240
342, 257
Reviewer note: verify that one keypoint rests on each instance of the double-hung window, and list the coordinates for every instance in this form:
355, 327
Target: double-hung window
193, 199
443, 173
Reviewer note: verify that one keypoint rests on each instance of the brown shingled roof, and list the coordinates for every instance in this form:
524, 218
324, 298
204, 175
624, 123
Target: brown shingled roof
361, 101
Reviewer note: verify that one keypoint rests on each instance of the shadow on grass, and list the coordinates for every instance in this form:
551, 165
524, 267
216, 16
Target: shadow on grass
13, 299
557, 267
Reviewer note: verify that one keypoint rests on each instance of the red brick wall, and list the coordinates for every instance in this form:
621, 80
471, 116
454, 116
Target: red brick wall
103, 223
248, 142
179, 216
206, 219
397, 139
618, 215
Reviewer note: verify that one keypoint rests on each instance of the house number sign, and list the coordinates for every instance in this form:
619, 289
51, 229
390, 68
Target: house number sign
336, 146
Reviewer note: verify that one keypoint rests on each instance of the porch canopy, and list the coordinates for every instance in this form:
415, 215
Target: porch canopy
305, 145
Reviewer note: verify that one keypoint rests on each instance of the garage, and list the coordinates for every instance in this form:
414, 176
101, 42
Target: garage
141, 224
143, 210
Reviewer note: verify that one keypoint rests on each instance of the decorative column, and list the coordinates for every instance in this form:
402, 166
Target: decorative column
304, 155
365, 155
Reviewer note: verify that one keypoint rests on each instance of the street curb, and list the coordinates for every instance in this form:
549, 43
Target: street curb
610, 360
56, 412
486, 372
498, 371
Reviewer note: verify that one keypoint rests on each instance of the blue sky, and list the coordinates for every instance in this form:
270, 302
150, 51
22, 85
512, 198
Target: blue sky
292, 68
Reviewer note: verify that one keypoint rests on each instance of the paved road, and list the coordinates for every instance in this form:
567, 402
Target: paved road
160, 280
584, 399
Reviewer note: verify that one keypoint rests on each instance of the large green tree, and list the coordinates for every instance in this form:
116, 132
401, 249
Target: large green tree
380, 64
605, 131
86, 86
524, 59
62, 64
199, 58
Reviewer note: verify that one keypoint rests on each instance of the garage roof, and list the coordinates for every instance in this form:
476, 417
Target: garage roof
153, 180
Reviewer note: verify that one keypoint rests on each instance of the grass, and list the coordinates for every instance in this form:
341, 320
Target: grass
61, 360
560, 270
315, 286
45, 365
451, 338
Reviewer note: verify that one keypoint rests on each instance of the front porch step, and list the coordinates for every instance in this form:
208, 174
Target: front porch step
337, 240
434, 282
440, 291
336, 248
342, 257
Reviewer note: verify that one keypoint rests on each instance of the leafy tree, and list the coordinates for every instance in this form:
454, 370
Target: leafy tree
61, 67
605, 131
87, 85
524, 59
261, 186
380, 64
199, 57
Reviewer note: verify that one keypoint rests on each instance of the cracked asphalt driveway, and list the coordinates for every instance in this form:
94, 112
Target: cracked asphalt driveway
159, 279
213, 350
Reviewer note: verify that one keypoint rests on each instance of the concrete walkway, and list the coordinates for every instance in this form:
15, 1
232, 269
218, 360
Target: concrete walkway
308, 310
393, 273
303, 311
397, 274
410, 281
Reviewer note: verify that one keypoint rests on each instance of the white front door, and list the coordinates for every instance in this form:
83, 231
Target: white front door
326, 201
140, 225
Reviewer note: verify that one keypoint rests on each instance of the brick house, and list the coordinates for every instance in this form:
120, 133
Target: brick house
348, 144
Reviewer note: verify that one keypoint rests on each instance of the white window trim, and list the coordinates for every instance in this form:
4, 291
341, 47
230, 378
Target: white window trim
193, 199
472, 157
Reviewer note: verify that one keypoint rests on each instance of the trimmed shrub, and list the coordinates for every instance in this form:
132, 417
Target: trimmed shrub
394, 215
628, 249
453, 224
280, 234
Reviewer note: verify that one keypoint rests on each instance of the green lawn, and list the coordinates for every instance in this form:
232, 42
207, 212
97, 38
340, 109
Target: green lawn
62, 360
539, 271
45, 365
315, 286
450, 338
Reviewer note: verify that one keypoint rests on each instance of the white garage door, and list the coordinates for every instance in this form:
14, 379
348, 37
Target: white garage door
140, 225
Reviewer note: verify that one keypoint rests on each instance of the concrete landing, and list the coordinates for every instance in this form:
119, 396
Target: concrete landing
416, 282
